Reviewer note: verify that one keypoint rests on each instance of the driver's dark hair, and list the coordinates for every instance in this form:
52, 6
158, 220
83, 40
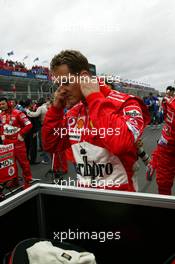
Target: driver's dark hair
73, 59
3, 99
170, 88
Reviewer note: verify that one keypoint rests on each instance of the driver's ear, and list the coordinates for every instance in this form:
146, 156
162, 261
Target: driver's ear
84, 76
84, 73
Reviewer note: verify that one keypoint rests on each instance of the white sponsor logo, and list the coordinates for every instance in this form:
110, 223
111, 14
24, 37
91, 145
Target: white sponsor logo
11, 171
71, 121
133, 113
10, 130
6, 163
5, 148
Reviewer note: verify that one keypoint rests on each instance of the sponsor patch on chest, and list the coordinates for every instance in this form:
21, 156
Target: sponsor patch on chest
10, 130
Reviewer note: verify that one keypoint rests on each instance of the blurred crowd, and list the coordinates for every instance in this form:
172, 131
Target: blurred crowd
20, 67
156, 106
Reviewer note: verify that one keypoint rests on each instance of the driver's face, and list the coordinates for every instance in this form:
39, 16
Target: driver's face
170, 93
3, 105
69, 84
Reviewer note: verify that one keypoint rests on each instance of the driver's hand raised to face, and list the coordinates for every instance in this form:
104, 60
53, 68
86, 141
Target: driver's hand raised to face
88, 85
59, 98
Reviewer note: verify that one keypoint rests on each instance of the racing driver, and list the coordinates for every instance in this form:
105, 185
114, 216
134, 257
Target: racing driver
14, 125
102, 126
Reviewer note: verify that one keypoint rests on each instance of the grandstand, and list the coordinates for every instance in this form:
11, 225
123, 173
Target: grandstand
130, 86
135, 89
16, 81
23, 88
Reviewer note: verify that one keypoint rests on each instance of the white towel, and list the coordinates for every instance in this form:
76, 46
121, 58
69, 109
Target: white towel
44, 252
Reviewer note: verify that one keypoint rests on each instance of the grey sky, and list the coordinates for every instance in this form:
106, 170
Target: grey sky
134, 39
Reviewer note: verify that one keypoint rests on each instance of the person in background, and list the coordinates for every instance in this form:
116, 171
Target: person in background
168, 96
40, 112
21, 106
163, 156
13, 103
14, 126
31, 137
152, 103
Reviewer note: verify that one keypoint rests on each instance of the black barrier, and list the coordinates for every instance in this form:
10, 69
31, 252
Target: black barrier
126, 227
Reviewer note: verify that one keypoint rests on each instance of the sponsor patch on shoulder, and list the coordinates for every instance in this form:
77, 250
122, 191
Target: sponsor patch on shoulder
132, 111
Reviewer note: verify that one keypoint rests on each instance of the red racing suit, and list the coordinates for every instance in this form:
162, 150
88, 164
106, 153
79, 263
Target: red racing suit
164, 155
60, 162
165, 101
102, 134
14, 125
